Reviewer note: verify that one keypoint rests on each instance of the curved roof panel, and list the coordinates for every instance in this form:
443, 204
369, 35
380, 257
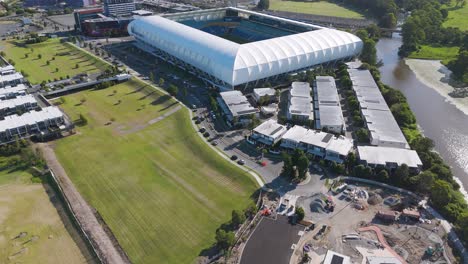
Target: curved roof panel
238, 64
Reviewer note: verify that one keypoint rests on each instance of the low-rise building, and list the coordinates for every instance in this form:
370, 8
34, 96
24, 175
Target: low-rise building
328, 114
411, 213
317, 143
20, 103
269, 132
383, 128
388, 216
12, 91
389, 158
11, 78
236, 107
269, 95
300, 106
31, 123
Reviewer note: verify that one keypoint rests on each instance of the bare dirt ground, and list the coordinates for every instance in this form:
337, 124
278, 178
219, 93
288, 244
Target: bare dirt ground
105, 245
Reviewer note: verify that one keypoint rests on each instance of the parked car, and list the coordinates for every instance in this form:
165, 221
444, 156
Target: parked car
214, 142
206, 134
233, 157
241, 162
202, 129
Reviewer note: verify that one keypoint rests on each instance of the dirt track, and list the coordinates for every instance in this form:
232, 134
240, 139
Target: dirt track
104, 244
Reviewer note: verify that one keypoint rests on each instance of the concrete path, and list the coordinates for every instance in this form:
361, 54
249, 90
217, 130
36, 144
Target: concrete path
105, 246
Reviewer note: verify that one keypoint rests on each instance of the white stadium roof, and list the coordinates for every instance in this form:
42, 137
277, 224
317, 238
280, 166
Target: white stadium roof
237, 64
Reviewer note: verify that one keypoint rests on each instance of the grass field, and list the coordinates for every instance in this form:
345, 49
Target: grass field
27, 207
445, 54
159, 187
457, 17
38, 70
323, 8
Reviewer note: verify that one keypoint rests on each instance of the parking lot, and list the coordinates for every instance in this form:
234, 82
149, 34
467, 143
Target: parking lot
272, 242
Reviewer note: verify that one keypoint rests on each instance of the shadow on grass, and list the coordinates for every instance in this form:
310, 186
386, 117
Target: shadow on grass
161, 100
167, 107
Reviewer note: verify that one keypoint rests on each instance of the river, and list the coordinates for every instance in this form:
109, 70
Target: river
438, 119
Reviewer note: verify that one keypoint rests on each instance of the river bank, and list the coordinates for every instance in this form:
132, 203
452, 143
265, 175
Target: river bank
436, 114
436, 76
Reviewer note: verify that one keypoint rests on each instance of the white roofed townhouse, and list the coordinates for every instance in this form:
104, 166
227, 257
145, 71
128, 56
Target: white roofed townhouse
389, 158
300, 106
328, 114
317, 143
268, 133
30, 123
236, 107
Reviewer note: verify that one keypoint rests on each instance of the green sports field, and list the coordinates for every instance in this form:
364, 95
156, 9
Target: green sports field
323, 8
159, 187
66, 58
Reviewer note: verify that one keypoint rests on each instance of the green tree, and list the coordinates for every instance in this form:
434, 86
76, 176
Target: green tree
441, 193
39, 56
224, 240
213, 104
237, 218
369, 52
383, 176
263, 4
362, 135
302, 166
300, 213
401, 175
161, 82
288, 166
173, 90
424, 181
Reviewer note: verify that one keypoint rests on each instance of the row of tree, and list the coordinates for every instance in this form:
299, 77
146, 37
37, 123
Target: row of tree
225, 236
385, 11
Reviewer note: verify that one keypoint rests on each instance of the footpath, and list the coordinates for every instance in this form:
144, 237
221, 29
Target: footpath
103, 243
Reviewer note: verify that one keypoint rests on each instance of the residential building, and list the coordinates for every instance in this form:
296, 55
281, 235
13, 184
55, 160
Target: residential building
328, 114
383, 128
389, 158
300, 103
8, 92
236, 107
119, 7
10, 78
20, 103
30, 123
269, 132
268, 93
317, 143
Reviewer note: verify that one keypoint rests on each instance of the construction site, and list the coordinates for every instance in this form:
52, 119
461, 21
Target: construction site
367, 224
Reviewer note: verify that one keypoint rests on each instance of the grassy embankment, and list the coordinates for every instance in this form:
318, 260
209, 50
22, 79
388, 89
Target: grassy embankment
457, 17
445, 54
66, 58
159, 187
28, 207
323, 8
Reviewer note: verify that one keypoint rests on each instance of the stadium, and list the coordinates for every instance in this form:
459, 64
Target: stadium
235, 48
